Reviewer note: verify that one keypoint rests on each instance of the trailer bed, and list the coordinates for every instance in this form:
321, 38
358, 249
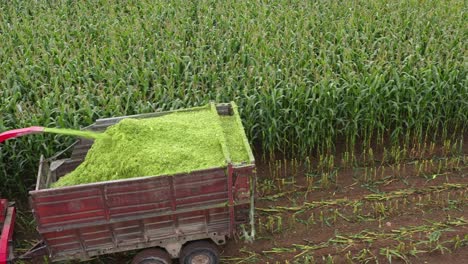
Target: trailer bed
167, 211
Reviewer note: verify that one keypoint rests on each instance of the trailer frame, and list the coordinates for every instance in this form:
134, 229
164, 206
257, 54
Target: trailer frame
210, 204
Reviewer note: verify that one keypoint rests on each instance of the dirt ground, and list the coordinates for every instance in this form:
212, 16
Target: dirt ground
378, 210
364, 215
413, 214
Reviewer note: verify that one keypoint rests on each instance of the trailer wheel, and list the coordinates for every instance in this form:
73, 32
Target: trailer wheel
152, 256
200, 252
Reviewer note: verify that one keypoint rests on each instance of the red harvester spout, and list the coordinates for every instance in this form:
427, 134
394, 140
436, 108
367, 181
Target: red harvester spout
20, 132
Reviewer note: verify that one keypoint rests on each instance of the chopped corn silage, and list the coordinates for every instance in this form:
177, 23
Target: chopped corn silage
174, 143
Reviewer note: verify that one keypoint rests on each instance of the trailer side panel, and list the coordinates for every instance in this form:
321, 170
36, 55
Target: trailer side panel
87, 220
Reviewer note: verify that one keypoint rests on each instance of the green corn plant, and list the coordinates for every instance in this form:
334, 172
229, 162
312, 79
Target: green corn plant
357, 73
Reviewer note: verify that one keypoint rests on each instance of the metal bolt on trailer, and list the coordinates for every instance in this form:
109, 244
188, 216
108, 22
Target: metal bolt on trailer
186, 215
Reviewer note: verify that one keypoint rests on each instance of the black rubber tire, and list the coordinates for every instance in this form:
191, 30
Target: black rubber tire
204, 249
152, 256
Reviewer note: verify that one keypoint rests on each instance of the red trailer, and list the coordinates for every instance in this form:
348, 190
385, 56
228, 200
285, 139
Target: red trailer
7, 222
184, 216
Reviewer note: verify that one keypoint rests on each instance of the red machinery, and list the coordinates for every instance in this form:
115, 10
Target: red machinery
20, 132
7, 222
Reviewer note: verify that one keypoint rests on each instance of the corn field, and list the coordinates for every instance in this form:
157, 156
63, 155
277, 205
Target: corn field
304, 73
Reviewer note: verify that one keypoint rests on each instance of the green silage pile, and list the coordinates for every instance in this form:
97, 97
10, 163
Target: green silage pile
234, 140
174, 143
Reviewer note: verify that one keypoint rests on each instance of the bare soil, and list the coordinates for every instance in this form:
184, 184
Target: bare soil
425, 201
412, 210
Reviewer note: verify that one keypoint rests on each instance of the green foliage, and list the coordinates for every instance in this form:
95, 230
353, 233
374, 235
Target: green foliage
304, 73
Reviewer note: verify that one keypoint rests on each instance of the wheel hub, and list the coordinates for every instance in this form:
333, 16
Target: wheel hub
201, 259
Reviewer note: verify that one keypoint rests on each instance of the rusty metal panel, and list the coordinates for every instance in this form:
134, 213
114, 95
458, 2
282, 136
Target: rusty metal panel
97, 237
200, 188
62, 242
219, 220
224, 109
83, 220
59, 207
128, 232
128, 198
242, 213
65, 167
81, 149
159, 227
191, 223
